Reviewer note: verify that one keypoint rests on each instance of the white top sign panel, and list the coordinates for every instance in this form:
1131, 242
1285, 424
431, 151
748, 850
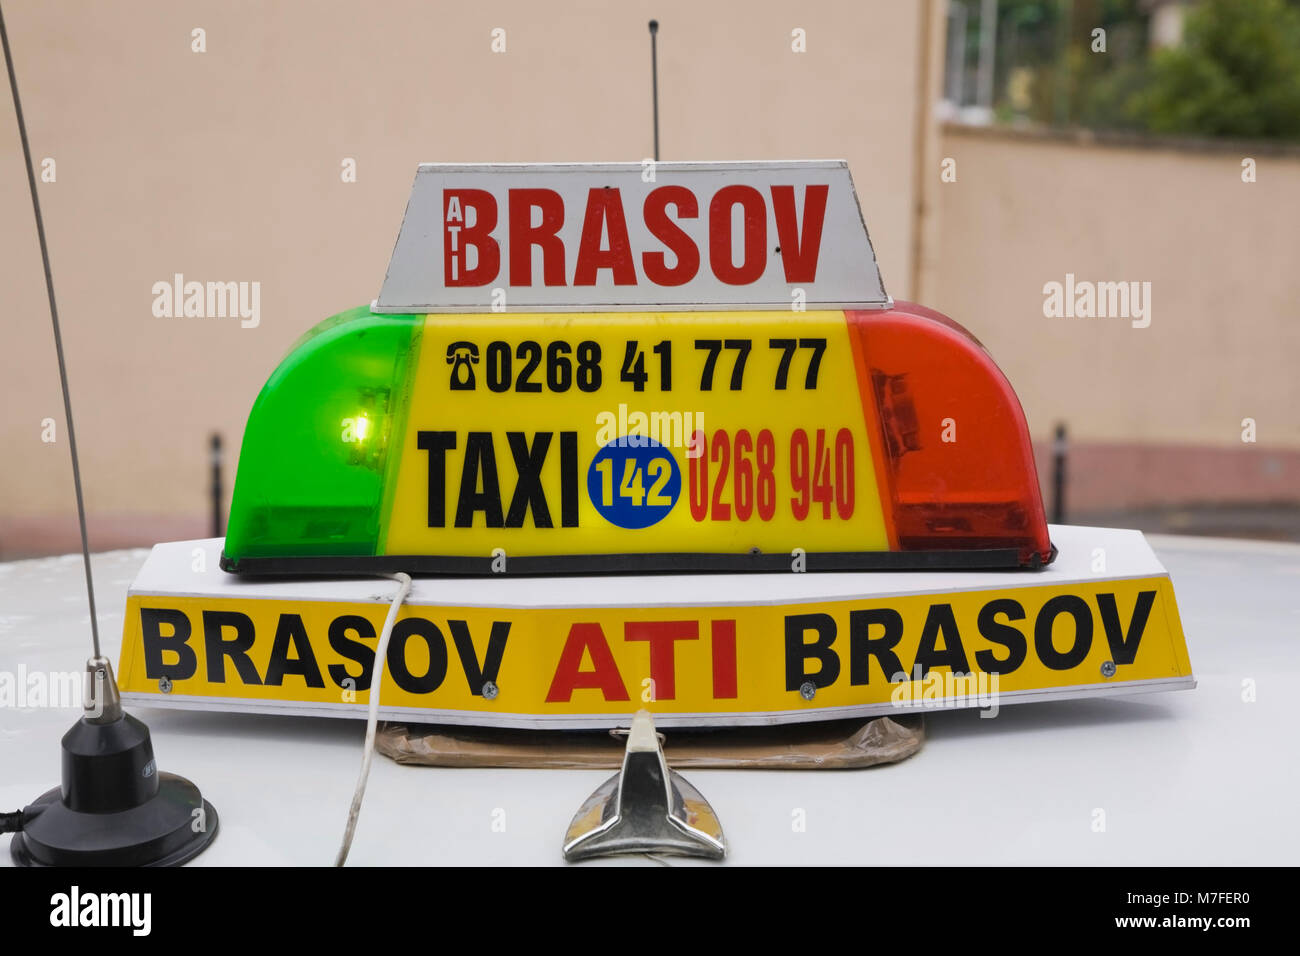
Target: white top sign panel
632, 236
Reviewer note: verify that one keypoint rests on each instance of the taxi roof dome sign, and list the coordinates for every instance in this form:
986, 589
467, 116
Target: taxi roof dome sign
685, 367
647, 236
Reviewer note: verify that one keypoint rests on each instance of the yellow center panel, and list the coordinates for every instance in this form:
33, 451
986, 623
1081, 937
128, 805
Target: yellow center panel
759, 437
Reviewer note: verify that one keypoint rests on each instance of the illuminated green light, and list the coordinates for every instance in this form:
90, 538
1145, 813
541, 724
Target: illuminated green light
322, 439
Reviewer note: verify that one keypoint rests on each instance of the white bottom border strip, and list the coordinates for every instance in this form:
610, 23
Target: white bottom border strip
605, 721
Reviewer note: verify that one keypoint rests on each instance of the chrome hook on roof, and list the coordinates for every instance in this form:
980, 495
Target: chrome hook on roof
645, 808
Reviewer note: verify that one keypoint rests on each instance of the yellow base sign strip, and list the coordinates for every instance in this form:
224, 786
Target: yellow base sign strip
718, 664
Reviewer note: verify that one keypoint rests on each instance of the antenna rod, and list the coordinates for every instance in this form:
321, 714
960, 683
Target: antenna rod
654, 79
58, 339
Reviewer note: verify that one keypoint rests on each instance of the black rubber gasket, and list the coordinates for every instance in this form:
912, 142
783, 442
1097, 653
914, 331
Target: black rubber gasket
651, 563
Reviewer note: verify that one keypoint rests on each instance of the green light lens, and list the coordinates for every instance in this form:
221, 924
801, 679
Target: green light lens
321, 438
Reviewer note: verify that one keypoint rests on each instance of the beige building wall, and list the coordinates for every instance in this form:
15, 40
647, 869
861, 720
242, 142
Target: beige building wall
1221, 255
225, 166
1161, 406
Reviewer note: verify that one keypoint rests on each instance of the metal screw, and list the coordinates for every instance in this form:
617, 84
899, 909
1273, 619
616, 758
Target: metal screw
1108, 669
807, 690
490, 690
165, 684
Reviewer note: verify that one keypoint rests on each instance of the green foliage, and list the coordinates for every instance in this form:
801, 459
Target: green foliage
1045, 57
1237, 74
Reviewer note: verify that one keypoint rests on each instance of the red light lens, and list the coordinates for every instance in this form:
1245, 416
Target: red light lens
953, 455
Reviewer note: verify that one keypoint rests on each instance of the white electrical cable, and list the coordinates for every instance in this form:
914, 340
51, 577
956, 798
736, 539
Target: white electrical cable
372, 716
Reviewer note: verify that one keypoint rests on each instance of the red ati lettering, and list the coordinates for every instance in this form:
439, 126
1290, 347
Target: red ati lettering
587, 641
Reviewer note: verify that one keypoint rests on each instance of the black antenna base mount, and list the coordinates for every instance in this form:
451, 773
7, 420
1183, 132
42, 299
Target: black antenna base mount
114, 808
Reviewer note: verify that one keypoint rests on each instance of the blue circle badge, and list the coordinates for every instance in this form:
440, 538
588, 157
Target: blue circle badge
634, 485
